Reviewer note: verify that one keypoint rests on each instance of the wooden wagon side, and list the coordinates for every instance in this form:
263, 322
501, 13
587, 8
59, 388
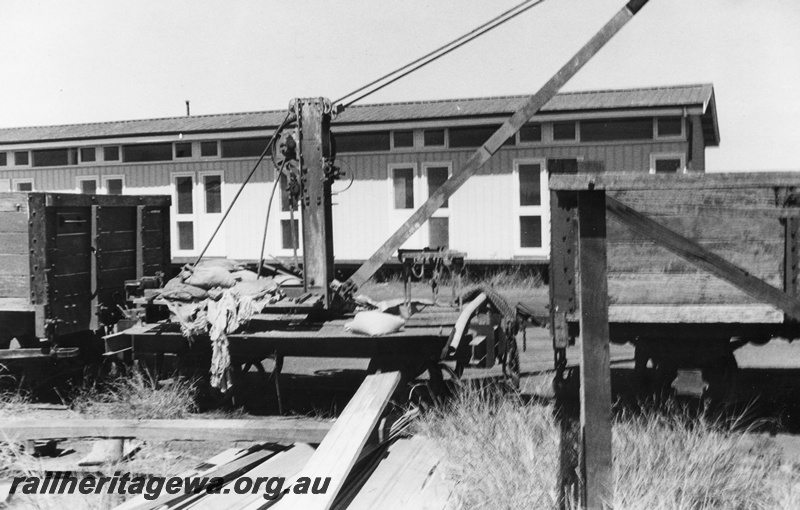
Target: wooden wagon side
690, 261
65, 258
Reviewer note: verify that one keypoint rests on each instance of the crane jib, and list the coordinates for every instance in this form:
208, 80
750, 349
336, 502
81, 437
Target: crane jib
487, 150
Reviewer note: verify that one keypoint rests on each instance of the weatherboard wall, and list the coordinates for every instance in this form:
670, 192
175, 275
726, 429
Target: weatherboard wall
482, 215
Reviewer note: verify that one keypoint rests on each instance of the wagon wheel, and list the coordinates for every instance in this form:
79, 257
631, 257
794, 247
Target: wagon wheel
654, 375
720, 377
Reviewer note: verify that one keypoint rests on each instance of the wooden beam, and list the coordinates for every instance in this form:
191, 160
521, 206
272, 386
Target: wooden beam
692, 181
703, 258
595, 392
279, 430
340, 449
492, 145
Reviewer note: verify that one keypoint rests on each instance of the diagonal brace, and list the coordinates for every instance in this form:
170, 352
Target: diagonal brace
703, 258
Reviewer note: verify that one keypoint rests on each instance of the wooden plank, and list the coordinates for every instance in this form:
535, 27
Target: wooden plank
199, 470
595, 369
15, 265
116, 219
761, 258
139, 261
72, 262
276, 429
73, 243
16, 305
752, 202
523, 114
83, 200
690, 314
116, 241
689, 181
13, 243
701, 288
563, 228
73, 221
285, 464
340, 449
114, 279
708, 228
409, 476
13, 222
113, 260
227, 472
14, 202
14, 286
758, 289
152, 218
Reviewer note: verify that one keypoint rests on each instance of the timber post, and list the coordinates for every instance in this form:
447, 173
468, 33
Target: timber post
595, 449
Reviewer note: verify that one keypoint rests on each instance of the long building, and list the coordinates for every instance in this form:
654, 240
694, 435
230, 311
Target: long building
394, 155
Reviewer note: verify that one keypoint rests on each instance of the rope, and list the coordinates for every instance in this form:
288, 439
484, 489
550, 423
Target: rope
241, 188
278, 174
441, 51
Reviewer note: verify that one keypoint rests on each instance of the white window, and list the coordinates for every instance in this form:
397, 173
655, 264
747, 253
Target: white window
435, 174
113, 184
197, 206
183, 211
668, 163
87, 185
22, 184
402, 178
532, 201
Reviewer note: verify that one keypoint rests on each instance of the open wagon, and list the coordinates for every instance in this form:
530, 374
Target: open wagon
64, 260
696, 264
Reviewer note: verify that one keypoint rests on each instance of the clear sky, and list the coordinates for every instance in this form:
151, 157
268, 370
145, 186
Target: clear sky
96, 60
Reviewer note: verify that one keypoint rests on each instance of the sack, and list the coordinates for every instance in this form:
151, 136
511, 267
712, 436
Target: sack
176, 290
208, 277
375, 323
255, 288
244, 275
226, 264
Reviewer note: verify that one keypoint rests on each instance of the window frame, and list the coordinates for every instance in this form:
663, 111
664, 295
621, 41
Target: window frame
216, 143
442, 211
80, 155
175, 156
14, 157
542, 210
571, 141
681, 136
201, 175
119, 153
526, 143
655, 156
393, 147
86, 178
22, 180
176, 217
415, 185
106, 178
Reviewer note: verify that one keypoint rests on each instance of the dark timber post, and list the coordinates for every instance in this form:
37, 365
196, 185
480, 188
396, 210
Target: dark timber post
313, 124
595, 448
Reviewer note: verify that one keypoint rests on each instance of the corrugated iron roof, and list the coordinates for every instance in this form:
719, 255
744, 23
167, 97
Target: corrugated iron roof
653, 97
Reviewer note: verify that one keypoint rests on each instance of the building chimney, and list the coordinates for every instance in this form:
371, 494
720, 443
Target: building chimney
188, 112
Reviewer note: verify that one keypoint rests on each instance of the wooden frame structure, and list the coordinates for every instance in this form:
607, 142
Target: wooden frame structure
696, 208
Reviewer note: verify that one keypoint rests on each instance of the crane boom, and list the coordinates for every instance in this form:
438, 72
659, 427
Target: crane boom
487, 150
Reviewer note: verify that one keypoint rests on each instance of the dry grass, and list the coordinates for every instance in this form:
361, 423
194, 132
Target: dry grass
503, 453
137, 395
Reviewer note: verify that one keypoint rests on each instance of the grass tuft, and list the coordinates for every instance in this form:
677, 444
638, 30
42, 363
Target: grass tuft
503, 453
137, 395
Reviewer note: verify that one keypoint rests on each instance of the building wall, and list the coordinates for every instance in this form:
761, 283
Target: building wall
483, 215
